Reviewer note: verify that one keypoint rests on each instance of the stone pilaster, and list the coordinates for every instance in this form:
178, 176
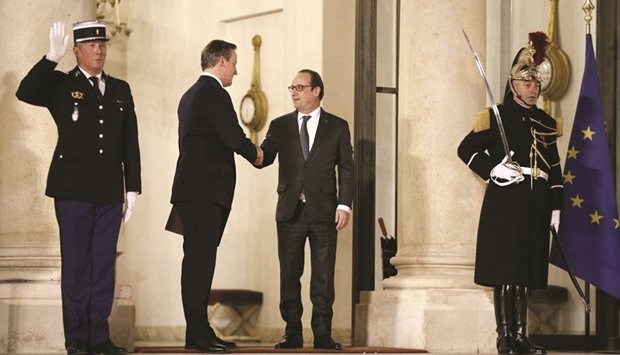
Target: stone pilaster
432, 303
30, 306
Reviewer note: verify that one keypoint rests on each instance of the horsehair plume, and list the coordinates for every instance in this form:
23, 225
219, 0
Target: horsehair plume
539, 42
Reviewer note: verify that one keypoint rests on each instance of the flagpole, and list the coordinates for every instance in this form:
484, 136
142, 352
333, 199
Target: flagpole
588, 7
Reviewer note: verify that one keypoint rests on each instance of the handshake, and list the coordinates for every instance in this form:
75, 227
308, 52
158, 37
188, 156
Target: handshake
259, 156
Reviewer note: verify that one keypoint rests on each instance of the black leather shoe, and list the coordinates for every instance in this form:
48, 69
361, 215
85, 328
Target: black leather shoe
506, 346
228, 344
77, 347
525, 346
326, 342
207, 346
291, 342
107, 348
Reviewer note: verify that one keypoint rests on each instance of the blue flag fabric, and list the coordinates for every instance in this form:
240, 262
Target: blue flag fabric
589, 226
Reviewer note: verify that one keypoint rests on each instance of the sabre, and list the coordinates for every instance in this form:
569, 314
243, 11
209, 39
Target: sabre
502, 133
569, 269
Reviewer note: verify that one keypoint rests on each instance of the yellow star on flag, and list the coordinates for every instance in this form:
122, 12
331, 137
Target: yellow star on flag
587, 134
617, 221
577, 201
572, 153
568, 178
596, 218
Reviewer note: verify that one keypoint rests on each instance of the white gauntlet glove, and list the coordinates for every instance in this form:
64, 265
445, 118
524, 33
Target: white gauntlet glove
555, 220
505, 173
130, 203
58, 42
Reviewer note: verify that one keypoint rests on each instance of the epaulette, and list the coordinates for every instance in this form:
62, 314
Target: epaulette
559, 126
482, 120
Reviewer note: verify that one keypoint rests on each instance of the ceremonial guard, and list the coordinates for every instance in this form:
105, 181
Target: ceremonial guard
523, 199
96, 159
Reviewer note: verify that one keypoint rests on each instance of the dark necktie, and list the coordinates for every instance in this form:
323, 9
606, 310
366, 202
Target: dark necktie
95, 82
303, 137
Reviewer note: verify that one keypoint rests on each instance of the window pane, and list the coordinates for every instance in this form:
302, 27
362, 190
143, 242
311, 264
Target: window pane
386, 42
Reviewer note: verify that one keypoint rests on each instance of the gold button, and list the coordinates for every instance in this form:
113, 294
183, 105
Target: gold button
100, 151
100, 121
101, 107
100, 135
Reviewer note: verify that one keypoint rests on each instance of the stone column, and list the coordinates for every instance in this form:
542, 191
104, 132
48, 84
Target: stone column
30, 307
432, 303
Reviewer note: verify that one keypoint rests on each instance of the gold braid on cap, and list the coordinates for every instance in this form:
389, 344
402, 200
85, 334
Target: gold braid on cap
529, 58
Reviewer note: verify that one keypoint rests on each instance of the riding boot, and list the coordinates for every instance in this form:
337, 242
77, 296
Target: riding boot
503, 301
522, 342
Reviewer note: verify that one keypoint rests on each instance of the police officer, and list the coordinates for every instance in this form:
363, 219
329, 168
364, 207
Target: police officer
523, 199
96, 160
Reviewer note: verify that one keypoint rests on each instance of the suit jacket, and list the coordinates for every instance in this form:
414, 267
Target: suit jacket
316, 175
209, 133
97, 154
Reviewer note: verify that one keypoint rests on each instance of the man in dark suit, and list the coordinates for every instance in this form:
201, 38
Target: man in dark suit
97, 159
310, 144
204, 184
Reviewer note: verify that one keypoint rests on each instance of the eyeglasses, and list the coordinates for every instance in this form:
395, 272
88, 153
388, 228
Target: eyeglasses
298, 88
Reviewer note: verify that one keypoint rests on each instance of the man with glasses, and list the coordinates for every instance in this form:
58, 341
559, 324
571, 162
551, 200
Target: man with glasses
312, 203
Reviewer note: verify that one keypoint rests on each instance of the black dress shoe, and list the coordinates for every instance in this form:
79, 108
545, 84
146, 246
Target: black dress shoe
326, 342
228, 344
207, 346
291, 342
107, 348
524, 346
77, 347
506, 346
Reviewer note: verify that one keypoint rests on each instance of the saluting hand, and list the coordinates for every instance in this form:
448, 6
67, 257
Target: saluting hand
58, 42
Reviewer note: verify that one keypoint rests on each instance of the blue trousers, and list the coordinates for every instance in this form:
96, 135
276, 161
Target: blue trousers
88, 237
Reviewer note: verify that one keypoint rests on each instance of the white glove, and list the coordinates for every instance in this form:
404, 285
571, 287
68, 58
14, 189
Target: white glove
130, 203
555, 220
505, 173
58, 42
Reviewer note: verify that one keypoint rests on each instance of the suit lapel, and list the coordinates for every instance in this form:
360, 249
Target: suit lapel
110, 85
293, 132
321, 131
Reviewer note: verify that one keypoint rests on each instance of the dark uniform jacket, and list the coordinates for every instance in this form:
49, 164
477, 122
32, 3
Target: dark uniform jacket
513, 232
209, 134
97, 156
316, 175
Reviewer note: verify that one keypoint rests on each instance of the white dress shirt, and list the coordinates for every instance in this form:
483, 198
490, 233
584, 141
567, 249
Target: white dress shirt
98, 76
312, 125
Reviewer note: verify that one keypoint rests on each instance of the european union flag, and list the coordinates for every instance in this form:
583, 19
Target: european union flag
589, 226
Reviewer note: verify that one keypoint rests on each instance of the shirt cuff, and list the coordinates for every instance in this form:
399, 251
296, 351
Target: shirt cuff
344, 208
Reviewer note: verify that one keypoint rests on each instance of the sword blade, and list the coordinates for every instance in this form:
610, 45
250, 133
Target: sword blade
498, 118
569, 269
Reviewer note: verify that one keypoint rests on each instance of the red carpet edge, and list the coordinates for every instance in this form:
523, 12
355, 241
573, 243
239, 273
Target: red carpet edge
271, 350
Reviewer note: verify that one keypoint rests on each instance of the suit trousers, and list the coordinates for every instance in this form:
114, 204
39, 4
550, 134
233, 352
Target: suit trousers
291, 246
88, 237
203, 226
